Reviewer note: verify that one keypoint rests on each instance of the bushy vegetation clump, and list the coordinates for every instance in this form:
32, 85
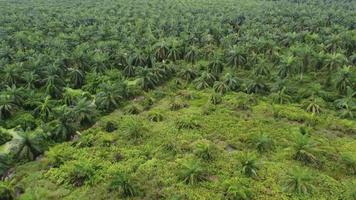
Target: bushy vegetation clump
4, 137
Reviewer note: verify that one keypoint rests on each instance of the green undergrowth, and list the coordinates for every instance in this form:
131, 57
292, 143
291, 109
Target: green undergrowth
241, 148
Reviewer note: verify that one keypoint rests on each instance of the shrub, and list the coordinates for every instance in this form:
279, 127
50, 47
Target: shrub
81, 173
186, 94
305, 149
349, 161
110, 126
205, 150
187, 123
155, 117
299, 181
208, 108
263, 143
4, 137
238, 189
6, 192
245, 101
250, 166
122, 183
192, 172
177, 104
215, 98
25, 120
133, 109
5, 163
350, 191
59, 154
135, 129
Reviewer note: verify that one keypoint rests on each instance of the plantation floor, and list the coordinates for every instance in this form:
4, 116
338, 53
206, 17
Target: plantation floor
155, 159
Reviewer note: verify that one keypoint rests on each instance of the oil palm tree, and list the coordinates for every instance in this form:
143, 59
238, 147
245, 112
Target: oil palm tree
231, 81
288, 66
250, 165
313, 104
192, 172
262, 68
188, 73
29, 146
30, 78
347, 104
44, 108
129, 70
15, 94
281, 96
221, 87
236, 56
7, 107
174, 50
123, 184
344, 79
299, 181
64, 126
205, 80
333, 61
53, 85
216, 65
84, 111
148, 79
305, 150
161, 50
257, 86
191, 54
109, 96
76, 77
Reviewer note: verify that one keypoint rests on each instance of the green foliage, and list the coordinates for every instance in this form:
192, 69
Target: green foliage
192, 172
122, 183
4, 136
299, 181
133, 109
313, 104
30, 145
155, 116
215, 98
80, 173
110, 126
250, 165
6, 192
187, 123
177, 104
349, 161
263, 143
238, 189
205, 80
205, 150
5, 163
64, 65
58, 155
350, 192
135, 129
257, 86
305, 150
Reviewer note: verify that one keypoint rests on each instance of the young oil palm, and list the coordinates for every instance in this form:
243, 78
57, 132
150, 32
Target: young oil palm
250, 165
299, 181
231, 81
205, 80
192, 172
121, 182
305, 150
